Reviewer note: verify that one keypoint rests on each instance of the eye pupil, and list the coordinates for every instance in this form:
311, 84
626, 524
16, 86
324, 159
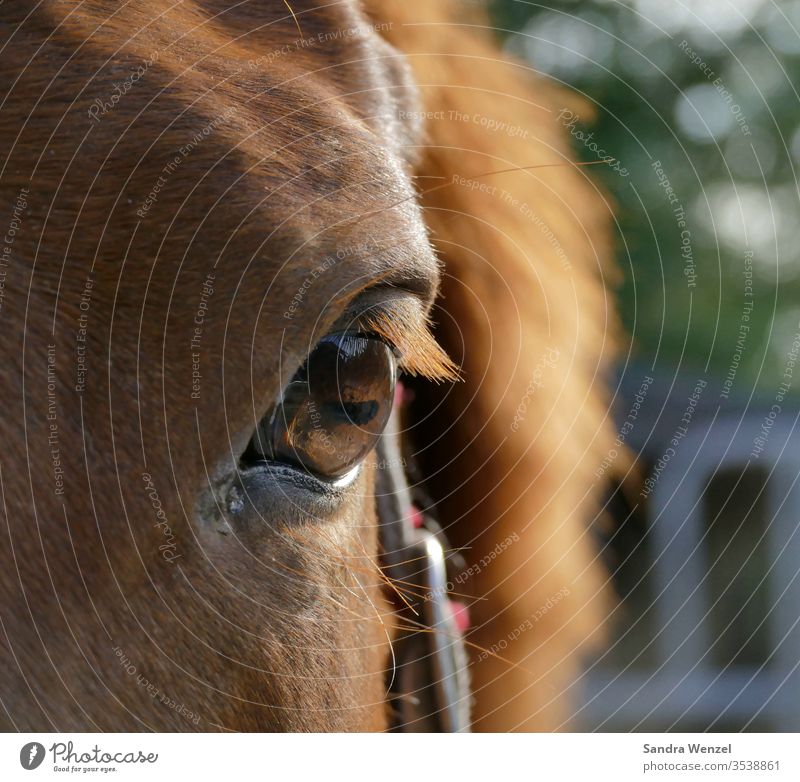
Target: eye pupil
334, 410
356, 413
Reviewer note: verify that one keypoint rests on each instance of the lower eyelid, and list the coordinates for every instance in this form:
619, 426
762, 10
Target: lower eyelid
285, 494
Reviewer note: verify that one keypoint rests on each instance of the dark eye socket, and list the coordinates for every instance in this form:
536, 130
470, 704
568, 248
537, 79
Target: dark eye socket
334, 409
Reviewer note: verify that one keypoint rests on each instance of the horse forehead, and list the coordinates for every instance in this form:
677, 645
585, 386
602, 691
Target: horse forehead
331, 57
238, 120
322, 144
323, 81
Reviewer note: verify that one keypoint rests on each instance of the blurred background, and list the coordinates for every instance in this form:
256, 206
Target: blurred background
698, 103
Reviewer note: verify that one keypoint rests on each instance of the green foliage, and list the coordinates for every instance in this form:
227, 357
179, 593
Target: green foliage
709, 90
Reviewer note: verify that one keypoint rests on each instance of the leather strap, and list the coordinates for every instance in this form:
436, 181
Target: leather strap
429, 689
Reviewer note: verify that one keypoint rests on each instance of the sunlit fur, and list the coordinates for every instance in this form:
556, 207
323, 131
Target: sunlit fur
515, 289
276, 617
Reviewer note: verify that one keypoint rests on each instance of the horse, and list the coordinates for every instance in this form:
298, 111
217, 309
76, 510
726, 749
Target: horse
266, 267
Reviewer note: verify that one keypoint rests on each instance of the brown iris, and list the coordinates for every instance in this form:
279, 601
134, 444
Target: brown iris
333, 411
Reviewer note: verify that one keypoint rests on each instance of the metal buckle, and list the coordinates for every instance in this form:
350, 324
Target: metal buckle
448, 659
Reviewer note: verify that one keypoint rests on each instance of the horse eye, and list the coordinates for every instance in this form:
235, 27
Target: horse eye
333, 411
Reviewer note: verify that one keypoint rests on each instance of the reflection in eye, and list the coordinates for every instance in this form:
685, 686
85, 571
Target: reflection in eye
334, 409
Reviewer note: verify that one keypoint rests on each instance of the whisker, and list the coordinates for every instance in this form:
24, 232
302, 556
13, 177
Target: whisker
386, 632
390, 582
451, 182
294, 16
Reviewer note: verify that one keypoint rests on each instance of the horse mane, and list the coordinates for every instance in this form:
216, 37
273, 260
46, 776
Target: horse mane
509, 454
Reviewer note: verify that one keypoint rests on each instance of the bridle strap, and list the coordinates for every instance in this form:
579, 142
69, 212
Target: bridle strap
429, 688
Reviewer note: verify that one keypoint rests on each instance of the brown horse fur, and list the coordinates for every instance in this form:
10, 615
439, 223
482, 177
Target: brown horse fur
258, 186
522, 310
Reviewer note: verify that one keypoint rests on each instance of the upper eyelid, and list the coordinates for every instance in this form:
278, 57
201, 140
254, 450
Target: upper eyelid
377, 299
378, 296
400, 319
366, 331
